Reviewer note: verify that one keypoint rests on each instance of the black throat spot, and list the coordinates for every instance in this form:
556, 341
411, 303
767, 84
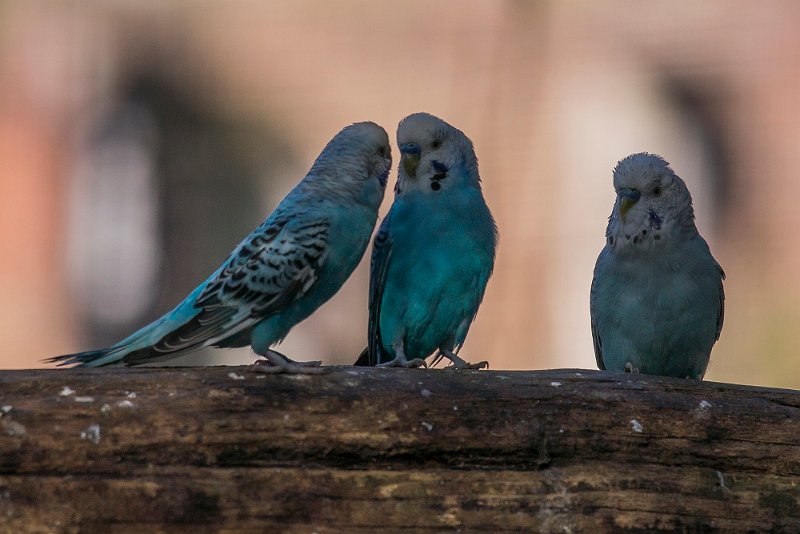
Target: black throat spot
440, 173
655, 220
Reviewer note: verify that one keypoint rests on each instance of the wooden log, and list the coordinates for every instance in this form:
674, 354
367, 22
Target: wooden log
358, 450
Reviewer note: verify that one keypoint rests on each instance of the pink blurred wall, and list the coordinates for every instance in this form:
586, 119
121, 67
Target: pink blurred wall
552, 94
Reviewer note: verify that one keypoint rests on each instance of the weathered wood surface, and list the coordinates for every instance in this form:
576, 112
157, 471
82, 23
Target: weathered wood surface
368, 450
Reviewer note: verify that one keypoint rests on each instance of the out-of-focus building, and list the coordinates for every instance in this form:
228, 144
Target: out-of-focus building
140, 141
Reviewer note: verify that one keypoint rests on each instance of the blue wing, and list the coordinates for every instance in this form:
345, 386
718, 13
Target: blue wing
721, 311
379, 265
275, 265
594, 307
597, 342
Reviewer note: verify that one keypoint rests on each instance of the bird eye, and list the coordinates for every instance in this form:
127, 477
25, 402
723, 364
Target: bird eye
657, 191
436, 144
436, 186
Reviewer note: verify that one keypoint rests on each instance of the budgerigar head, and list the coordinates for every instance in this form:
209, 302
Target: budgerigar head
653, 204
354, 165
434, 156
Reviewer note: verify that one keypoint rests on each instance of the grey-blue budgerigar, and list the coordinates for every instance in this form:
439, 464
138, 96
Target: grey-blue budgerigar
283, 271
434, 252
657, 300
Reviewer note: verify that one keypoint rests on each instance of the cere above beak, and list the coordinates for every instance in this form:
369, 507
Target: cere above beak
628, 197
410, 153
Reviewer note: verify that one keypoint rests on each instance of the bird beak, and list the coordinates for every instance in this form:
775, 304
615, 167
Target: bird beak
628, 197
409, 157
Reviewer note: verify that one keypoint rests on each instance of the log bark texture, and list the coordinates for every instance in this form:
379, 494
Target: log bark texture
393, 450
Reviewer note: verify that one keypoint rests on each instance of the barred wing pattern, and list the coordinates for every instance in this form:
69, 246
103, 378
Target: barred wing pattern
379, 266
274, 267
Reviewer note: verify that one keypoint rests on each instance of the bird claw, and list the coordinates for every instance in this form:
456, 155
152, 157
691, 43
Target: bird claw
275, 363
402, 362
437, 359
288, 368
629, 368
458, 362
266, 362
467, 365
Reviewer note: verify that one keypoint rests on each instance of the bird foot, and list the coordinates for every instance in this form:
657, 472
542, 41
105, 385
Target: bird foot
458, 362
468, 365
274, 363
400, 361
629, 368
265, 362
292, 369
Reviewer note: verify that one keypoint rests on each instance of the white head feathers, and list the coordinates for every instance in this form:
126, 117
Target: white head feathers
435, 156
653, 204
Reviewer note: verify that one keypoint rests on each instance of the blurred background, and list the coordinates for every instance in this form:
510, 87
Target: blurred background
140, 141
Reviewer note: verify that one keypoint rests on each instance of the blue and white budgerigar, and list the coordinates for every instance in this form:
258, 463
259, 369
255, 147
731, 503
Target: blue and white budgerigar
283, 271
657, 301
434, 252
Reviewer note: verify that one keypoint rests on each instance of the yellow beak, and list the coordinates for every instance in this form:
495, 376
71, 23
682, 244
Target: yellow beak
625, 205
410, 164
628, 197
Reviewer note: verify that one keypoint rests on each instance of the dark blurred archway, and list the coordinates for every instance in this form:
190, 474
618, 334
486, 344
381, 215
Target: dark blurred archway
165, 186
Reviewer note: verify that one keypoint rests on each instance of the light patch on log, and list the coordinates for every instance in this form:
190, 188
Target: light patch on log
91, 433
12, 428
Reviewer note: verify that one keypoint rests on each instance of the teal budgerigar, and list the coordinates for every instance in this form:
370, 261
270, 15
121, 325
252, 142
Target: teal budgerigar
657, 301
283, 271
434, 252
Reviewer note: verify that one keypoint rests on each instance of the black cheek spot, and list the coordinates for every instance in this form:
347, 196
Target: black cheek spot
628, 237
644, 233
435, 186
655, 220
440, 168
610, 240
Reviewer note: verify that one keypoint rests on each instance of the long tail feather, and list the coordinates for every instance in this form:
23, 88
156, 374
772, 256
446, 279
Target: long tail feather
90, 358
